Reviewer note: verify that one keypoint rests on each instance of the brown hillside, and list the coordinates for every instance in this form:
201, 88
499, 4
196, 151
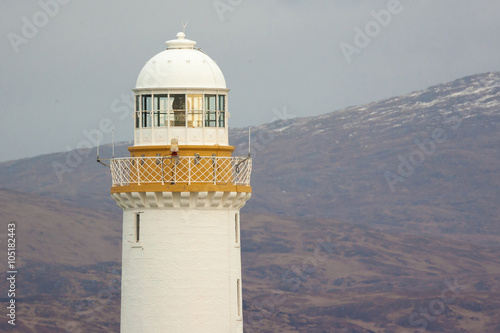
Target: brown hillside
300, 274
53, 232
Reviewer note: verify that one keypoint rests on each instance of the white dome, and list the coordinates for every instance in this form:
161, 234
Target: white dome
181, 66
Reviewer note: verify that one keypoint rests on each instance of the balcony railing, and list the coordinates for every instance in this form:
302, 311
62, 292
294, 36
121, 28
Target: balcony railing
181, 170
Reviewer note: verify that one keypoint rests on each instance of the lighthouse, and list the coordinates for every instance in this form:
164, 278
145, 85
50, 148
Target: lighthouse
181, 191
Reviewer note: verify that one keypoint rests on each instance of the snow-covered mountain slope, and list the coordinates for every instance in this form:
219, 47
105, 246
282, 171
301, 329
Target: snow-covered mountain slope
426, 161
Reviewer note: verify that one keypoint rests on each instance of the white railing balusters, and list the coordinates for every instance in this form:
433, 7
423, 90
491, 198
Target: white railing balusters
208, 169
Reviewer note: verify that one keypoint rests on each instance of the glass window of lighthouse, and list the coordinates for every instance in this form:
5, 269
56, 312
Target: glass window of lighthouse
137, 111
222, 107
179, 109
210, 111
160, 110
146, 110
191, 110
195, 110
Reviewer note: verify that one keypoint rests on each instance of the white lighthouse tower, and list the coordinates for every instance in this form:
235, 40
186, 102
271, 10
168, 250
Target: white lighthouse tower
181, 191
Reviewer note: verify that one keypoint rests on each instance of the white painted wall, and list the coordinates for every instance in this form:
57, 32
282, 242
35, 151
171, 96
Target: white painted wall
186, 136
182, 274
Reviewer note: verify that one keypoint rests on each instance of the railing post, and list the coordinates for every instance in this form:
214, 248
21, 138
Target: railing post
112, 174
214, 163
136, 160
129, 173
115, 171
162, 172
234, 175
189, 170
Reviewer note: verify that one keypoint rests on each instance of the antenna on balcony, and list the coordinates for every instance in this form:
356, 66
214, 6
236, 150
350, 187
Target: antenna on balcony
113, 143
249, 136
97, 145
98, 159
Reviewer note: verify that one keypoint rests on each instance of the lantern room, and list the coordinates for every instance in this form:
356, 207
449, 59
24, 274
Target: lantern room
181, 94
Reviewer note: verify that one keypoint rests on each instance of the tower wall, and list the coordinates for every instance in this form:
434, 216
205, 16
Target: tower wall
182, 273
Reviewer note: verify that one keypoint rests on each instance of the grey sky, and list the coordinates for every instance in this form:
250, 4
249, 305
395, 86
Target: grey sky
275, 54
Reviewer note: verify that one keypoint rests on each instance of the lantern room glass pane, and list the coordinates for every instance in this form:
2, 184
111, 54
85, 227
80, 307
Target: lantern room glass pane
178, 102
146, 118
146, 110
146, 102
179, 109
161, 102
195, 118
195, 102
222, 119
160, 110
179, 118
137, 119
222, 103
137, 112
160, 118
210, 111
210, 118
195, 110
210, 102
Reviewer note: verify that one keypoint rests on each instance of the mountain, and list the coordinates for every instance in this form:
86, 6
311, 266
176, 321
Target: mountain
73, 177
320, 275
376, 218
92, 235
427, 162
300, 274
68, 264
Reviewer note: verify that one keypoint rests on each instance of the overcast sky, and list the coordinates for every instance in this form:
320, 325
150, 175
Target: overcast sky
63, 70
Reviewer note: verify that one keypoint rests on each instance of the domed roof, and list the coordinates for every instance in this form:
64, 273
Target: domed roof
181, 66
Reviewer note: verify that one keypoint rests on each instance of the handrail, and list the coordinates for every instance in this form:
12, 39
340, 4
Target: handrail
182, 170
